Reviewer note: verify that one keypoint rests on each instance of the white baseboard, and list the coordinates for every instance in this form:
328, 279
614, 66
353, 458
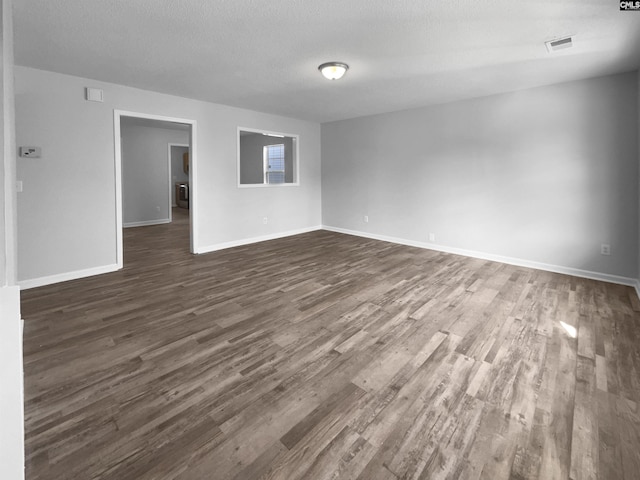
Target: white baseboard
576, 272
146, 223
263, 238
64, 277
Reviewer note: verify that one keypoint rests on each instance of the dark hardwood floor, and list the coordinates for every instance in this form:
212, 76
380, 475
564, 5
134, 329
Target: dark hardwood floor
327, 356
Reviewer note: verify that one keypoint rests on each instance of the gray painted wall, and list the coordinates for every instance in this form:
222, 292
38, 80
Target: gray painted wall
11, 398
145, 171
544, 175
66, 214
252, 160
177, 170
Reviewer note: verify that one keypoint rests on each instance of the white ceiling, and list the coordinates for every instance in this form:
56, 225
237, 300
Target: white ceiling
263, 55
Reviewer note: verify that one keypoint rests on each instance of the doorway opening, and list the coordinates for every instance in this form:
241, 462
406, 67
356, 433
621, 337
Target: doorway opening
145, 190
179, 176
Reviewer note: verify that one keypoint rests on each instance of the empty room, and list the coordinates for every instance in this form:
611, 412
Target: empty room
320, 240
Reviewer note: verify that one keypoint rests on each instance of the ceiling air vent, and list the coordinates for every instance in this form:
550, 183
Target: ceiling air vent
561, 43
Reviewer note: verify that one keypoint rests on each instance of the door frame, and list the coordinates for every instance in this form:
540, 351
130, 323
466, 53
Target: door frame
193, 177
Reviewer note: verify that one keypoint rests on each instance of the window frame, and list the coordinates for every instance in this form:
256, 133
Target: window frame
266, 169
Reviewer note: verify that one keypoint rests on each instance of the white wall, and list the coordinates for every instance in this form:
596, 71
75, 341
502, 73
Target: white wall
8, 238
146, 182
66, 214
545, 175
11, 398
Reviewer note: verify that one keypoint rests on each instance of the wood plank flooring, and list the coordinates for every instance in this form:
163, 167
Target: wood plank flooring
327, 356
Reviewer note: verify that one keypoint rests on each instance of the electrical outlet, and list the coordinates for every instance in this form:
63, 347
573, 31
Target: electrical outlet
432, 237
265, 220
366, 219
605, 249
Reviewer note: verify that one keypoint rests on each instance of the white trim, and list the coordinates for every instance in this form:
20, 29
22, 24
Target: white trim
11, 351
637, 287
263, 238
169, 182
193, 190
117, 136
64, 277
171, 185
268, 185
576, 272
145, 223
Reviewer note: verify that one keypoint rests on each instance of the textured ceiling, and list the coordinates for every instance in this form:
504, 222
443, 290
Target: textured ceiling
263, 55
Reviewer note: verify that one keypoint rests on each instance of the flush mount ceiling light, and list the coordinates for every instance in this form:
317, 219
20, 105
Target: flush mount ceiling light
333, 70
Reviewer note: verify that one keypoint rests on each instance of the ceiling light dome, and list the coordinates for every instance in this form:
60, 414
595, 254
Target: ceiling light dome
333, 70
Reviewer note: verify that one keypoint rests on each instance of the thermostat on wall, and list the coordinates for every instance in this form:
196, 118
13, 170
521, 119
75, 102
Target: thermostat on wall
30, 152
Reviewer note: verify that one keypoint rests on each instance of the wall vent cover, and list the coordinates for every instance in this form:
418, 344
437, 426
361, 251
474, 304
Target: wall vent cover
559, 44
